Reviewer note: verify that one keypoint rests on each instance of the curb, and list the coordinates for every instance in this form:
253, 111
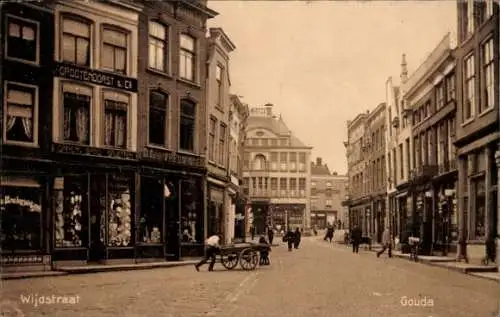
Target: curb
90, 270
485, 277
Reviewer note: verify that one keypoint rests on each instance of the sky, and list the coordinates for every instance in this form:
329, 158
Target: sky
323, 62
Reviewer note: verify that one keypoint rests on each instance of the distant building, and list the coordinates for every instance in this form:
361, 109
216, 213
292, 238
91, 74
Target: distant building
276, 172
328, 189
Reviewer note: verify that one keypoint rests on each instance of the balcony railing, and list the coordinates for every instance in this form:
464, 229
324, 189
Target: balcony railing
256, 192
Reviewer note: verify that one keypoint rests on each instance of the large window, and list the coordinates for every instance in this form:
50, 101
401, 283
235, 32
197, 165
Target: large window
469, 104
222, 144
283, 187
283, 161
259, 162
115, 121
77, 104
22, 39
21, 218
293, 187
450, 87
158, 107
21, 113
302, 162
293, 161
158, 46
76, 42
71, 207
440, 96
211, 139
192, 209
120, 212
218, 78
274, 161
488, 101
187, 125
479, 215
114, 51
187, 57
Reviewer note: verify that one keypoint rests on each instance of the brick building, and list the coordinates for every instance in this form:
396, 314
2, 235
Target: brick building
477, 133
328, 190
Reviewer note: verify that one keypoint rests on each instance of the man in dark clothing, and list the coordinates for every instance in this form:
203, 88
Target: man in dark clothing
296, 240
356, 239
289, 238
270, 235
252, 232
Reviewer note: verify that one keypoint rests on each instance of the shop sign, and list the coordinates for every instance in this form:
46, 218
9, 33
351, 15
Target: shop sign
21, 259
173, 158
95, 77
216, 195
92, 151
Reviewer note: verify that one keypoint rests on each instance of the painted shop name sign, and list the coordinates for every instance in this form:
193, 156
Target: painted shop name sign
174, 158
95, 77
92, 151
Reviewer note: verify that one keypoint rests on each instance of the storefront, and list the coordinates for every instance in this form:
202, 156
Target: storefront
446, 219
378, 217
287, 216
319, 219
215, 210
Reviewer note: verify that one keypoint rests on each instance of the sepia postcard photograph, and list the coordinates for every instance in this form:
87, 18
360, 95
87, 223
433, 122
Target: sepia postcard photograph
238, 158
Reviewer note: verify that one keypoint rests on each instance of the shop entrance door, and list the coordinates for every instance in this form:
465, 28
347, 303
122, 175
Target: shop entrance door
172, 223
97, 218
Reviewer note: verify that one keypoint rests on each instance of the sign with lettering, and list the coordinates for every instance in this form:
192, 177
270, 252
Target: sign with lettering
76, 149
95, 77
22, 259
173, 158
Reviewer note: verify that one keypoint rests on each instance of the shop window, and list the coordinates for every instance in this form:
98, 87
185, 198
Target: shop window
187, 57
158, 107
192, 209
115, 123
76, 41
71, 201
77, 104
187, 125
22, 39
120, 212
114, 51
158, 46
21, 218
22, 114
151, 218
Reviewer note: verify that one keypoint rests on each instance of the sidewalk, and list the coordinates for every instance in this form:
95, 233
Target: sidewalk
447, 262
86, 269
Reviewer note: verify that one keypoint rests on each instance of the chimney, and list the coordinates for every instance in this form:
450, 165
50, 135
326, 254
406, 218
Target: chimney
319, 161
404, 69
269, 109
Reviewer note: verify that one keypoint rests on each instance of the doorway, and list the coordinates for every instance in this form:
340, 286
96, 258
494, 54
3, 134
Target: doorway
97, 221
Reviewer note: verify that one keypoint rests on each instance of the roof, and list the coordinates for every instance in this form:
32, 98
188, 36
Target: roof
320, 169
277, 126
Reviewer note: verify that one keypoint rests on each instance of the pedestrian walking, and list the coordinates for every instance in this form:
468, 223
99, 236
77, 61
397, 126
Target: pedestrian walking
264, 255
296, 238
289, 238
356, 235
329, 233
386, 243
212, 248
252, 232
490, 250
462, 243
270, 235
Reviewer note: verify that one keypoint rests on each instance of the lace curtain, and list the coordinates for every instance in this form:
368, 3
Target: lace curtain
76, 117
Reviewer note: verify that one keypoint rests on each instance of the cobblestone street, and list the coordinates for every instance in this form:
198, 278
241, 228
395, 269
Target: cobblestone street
316, 280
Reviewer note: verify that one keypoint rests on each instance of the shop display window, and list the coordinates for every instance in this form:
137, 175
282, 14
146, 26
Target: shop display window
479, 217
151, 219
71, 203
192, 210
21, 218
119, 212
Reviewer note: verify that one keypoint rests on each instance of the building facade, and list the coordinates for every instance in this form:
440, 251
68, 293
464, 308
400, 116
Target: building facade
477, 133
238, 115
358, 201
124, 137
276, 173
430, 97
26, 56
218, 106
328, 190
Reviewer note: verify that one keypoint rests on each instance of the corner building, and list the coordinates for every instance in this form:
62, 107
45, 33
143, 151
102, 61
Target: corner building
276, 173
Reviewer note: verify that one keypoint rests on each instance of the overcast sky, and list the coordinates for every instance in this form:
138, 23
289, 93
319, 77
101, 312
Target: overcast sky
322, 62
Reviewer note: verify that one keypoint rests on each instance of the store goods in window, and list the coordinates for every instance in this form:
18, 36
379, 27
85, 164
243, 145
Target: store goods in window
68, 220
119, 219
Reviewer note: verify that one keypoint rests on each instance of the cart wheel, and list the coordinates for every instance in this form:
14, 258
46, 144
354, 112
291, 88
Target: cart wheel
229, 260
249, 259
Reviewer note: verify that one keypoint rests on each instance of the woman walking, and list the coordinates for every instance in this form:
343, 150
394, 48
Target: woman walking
297, 236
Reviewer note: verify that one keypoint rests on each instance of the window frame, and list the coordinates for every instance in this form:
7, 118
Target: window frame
183, 50
222, 144
219, 69
166, 114
166, 51
115, 28
127, 119
90, 25
484, 67
212, 133
189, 117
36, 62
35, 96
62, 107
469, 80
